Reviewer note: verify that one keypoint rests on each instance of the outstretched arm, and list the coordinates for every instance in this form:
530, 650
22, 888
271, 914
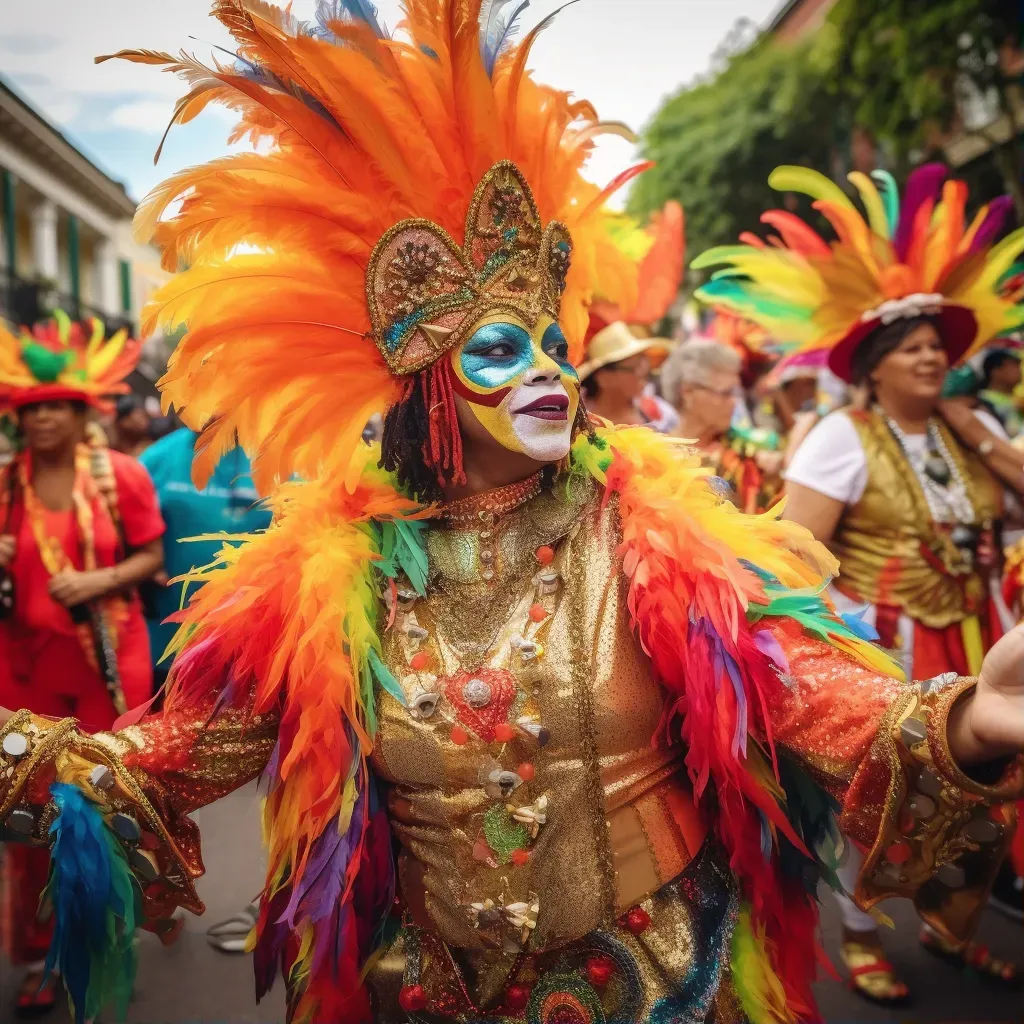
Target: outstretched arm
924, 771
152, 774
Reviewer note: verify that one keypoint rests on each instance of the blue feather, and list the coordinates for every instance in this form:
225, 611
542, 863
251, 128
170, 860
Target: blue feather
348, 10
497, 32
856, 625
96, 906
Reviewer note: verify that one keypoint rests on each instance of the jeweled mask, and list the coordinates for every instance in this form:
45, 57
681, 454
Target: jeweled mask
425, 292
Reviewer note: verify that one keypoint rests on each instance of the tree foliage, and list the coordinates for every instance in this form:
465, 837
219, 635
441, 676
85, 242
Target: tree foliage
910, 68
716, 141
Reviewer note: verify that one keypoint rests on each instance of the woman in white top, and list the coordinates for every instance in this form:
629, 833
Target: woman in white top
911, 512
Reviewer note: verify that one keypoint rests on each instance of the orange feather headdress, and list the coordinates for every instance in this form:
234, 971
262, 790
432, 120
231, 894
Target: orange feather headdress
654, 258
356, 131
60, 359
903, 259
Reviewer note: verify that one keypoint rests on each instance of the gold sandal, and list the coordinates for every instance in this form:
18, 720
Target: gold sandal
872, 977
974, 957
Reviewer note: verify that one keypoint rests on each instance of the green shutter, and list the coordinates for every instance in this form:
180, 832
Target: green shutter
125, 269
10, 226
74, 260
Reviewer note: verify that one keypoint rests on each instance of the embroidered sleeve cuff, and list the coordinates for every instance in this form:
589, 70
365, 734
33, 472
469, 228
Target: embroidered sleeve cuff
36, 753
943, 834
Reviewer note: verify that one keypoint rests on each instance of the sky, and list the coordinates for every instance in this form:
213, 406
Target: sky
624, 56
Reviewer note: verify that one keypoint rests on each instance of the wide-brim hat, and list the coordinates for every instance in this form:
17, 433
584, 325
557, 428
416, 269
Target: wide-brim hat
616, 342
957, 326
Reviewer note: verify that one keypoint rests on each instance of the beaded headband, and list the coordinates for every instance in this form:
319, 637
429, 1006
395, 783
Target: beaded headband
425, 292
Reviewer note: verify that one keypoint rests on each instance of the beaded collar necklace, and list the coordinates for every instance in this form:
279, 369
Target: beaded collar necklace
497, 502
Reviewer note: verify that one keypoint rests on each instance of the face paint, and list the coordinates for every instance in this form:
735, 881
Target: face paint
520, 385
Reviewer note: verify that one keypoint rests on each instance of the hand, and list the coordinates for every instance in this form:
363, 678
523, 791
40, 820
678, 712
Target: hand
990, 723
8, 546
5, 716
70, 587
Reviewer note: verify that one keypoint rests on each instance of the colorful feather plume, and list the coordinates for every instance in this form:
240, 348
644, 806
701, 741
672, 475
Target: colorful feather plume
811, 294
290, 619
356, 131
654, 257
62, 359
96, 908
703, 581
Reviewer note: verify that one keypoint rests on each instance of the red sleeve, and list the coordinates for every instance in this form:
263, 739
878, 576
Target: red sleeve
137, 501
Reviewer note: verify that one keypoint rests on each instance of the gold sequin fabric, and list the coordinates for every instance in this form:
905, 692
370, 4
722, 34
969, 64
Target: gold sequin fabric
891, 551
620, 821
673, 972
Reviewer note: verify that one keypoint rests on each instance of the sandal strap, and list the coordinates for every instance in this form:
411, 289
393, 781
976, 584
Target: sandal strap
878, 967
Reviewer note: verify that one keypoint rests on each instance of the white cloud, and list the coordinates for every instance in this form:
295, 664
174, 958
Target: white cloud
143, 115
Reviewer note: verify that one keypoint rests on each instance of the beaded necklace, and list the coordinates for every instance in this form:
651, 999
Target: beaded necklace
937, 471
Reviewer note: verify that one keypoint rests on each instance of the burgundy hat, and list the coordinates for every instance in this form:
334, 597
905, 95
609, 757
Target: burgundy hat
957, 326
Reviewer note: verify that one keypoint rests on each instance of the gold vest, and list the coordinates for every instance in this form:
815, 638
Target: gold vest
890, 550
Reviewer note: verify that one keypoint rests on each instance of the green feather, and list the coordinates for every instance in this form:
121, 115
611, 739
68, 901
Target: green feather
45, 365
385, 677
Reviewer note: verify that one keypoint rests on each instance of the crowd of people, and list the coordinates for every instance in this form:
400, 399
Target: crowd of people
499, 531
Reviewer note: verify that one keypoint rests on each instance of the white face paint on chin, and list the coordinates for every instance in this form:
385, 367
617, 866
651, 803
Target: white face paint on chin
542, 418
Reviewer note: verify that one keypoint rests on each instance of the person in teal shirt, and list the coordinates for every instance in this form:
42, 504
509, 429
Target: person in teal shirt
228, 504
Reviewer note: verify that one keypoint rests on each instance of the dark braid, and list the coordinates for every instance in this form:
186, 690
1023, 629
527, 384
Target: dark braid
405, 443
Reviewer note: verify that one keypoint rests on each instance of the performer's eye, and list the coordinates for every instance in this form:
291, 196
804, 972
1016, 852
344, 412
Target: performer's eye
555, 345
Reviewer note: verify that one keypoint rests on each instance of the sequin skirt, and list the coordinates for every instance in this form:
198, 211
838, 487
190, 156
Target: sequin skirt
664, 962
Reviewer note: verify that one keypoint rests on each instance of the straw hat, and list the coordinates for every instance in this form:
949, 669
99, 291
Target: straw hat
616, 342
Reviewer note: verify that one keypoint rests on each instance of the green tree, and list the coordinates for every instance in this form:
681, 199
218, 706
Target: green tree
716, 141
915, 71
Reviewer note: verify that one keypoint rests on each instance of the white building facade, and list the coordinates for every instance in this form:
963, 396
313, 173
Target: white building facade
65, 229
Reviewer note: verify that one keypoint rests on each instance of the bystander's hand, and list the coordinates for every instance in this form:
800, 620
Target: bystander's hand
8, 546
70, 587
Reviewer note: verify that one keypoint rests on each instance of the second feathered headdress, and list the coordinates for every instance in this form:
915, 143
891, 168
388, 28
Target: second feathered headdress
918, 257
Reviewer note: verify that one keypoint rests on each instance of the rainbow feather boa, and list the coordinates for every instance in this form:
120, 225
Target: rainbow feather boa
289, 622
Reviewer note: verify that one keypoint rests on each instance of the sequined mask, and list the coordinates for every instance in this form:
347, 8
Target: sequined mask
426, 293
519, 384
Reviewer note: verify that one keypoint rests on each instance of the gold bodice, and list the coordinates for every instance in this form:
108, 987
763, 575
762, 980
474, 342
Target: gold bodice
619, 812
892, 552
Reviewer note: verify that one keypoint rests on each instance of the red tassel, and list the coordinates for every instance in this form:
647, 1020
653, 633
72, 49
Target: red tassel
443, 450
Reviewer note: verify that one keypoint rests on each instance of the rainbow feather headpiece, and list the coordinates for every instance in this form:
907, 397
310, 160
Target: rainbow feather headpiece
358, 130
60, 359
908, 258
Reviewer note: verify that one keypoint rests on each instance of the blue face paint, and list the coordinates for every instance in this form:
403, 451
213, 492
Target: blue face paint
496, 355
554, 345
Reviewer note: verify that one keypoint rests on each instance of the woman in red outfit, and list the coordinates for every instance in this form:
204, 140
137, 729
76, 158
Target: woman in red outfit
80, 527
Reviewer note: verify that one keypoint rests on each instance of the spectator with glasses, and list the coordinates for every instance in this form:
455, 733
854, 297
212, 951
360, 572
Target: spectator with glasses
702, 378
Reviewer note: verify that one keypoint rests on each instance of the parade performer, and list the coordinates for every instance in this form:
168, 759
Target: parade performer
909, 511
79, 529
468, 648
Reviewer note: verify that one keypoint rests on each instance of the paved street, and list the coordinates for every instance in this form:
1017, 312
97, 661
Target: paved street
192, 984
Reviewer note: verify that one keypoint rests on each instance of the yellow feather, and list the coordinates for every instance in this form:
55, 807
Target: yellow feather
872, 202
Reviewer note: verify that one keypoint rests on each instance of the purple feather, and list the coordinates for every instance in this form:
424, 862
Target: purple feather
992, 224
922, 185
318, 891
765, 642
